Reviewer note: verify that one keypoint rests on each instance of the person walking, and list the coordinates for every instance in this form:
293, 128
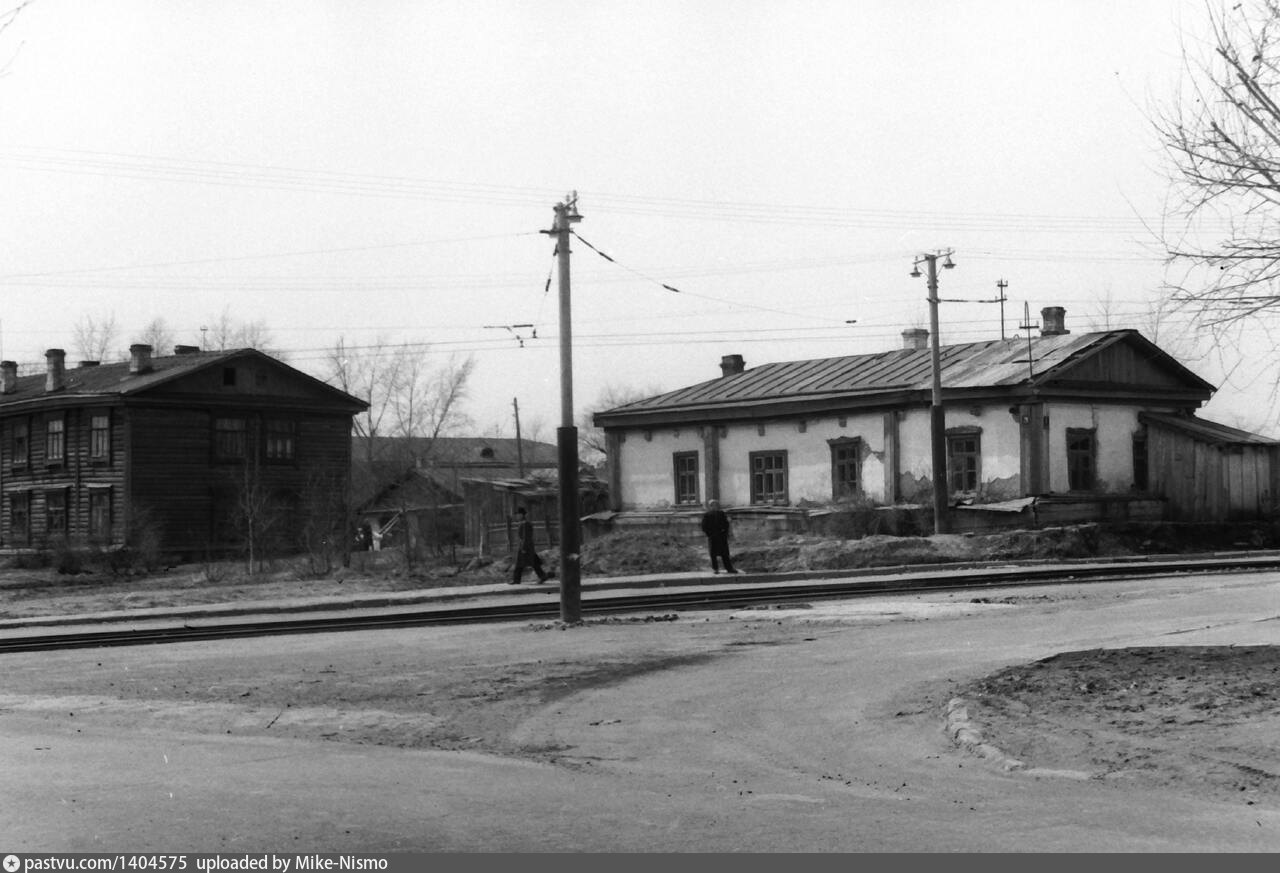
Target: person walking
715, 524
526, 554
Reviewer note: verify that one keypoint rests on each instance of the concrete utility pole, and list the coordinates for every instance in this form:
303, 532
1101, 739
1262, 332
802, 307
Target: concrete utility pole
567, 434
1001, 284
937, 416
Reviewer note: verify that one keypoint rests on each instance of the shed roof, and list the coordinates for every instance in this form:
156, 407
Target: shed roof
1208, 431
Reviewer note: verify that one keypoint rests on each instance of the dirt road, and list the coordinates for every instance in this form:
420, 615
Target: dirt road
817, 729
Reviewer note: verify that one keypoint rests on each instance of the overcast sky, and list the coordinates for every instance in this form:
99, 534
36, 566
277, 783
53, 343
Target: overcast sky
380, 172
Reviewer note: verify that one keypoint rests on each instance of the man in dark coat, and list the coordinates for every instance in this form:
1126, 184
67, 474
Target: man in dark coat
526, 555
715, 524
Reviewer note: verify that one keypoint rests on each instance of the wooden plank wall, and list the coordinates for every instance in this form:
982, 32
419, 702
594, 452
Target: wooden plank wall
1208, 482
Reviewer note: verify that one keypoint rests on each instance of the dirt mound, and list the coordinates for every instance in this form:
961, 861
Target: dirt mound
626, 554
1201, 716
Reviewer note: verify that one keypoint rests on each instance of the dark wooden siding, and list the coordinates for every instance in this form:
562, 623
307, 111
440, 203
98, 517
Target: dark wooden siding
77, 474
177, 481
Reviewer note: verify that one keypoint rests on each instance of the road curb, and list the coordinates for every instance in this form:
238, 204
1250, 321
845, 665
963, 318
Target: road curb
963, 732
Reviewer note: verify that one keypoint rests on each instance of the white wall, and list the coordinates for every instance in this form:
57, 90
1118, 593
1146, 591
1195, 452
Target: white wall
1114, 426
648, 471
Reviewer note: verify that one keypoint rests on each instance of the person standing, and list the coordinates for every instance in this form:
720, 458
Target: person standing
715, 524
526, 554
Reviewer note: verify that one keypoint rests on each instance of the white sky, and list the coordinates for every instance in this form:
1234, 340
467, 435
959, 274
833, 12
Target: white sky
379, 171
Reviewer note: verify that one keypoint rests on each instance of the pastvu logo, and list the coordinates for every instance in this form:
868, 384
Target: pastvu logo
11, 864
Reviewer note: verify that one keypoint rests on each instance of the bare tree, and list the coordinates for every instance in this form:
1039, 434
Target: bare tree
225, 332
7, 18
1222, 140
96, 336
158, 334
591, 441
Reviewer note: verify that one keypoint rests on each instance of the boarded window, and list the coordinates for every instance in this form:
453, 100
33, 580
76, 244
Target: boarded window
686, 475
1081, 453
55, 440
768, 477
964, 456
846, 468
229, 439
100, 436
280, 439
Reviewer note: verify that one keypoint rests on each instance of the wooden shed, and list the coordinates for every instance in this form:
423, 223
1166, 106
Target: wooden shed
1210, 472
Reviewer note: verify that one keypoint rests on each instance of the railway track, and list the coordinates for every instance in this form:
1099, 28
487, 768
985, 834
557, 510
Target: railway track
664, 599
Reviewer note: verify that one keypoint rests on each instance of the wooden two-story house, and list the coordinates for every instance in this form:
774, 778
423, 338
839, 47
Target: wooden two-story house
179, 445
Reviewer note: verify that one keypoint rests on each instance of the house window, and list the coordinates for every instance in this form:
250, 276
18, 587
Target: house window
846, 464
55, 512
1081, 450
100, 436
20, 517
686, 466
55, 440
100, 514
20, 443
1141, 478
280, 439
964, 452
229, 376
229, 439
768, 477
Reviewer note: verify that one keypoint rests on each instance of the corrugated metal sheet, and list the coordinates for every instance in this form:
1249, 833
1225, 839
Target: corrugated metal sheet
995, 363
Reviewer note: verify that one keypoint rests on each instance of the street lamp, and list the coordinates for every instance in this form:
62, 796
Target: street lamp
937, 418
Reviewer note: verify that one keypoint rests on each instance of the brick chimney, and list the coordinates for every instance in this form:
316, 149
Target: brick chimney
1053, 321
185, 350
55, 370
139, 358
915, 338
8, 377
731, 365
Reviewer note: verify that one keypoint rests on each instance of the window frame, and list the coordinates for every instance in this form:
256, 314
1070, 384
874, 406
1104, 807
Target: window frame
691, 495
55, 439
100, 528
852, 461
957, 478
20, 457
19, 507
224, 438
1141, 462
280, 432
57, 497
100, 436
760, 495
1077, 456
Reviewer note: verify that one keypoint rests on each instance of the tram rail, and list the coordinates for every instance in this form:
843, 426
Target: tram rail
663, 598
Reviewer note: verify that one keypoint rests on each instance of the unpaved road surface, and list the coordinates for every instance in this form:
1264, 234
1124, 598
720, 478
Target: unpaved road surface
790, 729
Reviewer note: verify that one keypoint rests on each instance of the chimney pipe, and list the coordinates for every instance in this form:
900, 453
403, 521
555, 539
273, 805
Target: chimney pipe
915, 338
1053, 320
8, 377
731, 365
55, 369
139, 358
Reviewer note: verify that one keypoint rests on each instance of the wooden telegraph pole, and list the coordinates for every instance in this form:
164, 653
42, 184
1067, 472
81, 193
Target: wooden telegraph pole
566, 215
937, 416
